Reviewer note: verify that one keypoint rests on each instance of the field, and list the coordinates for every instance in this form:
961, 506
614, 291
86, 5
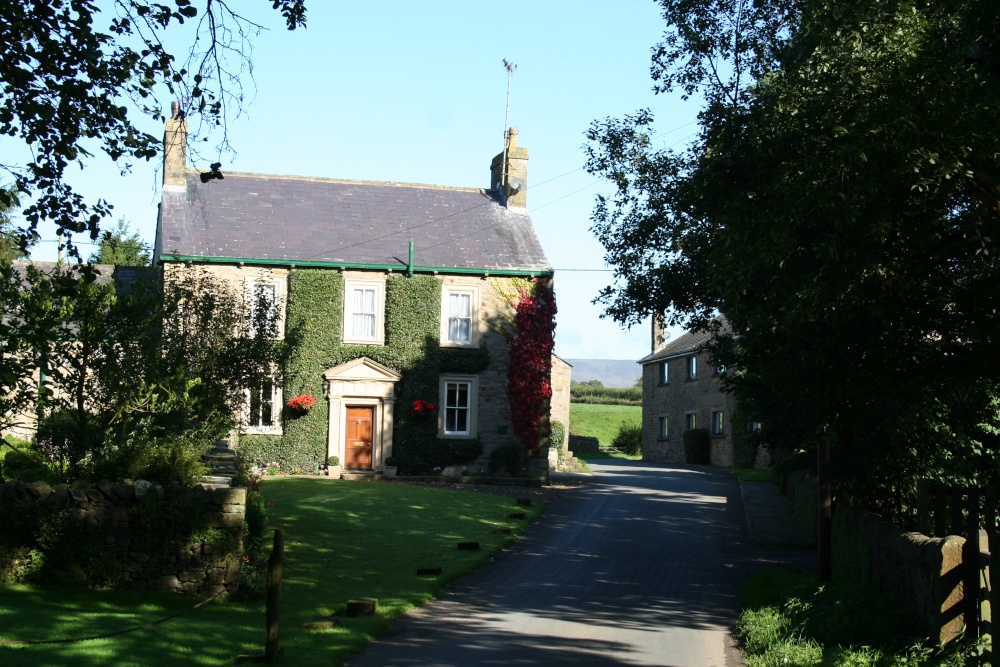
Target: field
601, 421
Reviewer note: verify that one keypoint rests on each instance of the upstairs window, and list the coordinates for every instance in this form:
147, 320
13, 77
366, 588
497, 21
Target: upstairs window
263, 299
692, 366
460, 315
363, 312
664, 372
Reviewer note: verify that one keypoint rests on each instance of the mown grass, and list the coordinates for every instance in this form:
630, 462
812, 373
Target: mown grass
754, 474
343, 540
789, 618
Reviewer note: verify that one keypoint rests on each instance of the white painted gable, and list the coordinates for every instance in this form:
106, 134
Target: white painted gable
363, 369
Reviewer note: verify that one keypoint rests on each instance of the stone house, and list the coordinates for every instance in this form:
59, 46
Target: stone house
681, 391
394, 297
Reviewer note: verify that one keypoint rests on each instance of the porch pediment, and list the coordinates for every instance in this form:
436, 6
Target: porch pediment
361, 369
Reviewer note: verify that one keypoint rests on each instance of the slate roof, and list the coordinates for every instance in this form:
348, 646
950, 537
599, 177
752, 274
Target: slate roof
686, 343
683, 344
299, 220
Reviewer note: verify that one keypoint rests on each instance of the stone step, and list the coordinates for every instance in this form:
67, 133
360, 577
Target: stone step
216, 480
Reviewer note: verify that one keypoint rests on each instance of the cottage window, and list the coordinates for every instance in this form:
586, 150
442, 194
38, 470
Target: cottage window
718, 422
460, 315
691, 420
664, 430
263, 299
363, 312
664, 372
263, 405
458, 401
692, 366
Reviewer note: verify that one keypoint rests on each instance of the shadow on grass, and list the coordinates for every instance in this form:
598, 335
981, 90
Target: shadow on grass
343, 540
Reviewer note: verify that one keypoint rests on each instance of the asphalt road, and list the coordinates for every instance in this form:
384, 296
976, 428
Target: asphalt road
641, 566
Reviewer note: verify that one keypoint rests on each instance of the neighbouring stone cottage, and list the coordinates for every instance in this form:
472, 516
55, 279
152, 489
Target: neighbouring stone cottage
396, 296
681, 391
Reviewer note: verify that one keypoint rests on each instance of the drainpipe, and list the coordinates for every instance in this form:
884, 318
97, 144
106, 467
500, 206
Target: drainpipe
409, 263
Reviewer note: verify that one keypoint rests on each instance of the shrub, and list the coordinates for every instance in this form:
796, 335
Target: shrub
508, 460
697, 446
335, 460
629, 439
558, 434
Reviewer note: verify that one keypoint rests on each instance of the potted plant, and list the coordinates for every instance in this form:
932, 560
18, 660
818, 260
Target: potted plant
390, 466
302, 403
333, 467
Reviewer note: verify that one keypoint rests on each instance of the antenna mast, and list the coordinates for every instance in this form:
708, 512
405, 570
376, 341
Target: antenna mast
506, 118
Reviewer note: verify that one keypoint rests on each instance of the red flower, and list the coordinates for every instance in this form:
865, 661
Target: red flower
422, 407
302, 402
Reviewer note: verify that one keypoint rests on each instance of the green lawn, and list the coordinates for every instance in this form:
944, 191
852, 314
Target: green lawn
343, 540
601, 421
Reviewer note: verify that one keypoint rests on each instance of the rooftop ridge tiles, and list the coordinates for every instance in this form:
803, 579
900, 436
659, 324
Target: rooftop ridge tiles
344, 181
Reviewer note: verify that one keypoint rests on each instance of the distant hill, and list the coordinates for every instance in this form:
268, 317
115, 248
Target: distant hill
611, 372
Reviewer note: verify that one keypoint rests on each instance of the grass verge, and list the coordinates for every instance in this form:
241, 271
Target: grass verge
790, 619
343, 540
754, 474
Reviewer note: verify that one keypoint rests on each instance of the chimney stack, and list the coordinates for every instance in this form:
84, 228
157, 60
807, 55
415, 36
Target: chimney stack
175, 149
659, 333
514, 191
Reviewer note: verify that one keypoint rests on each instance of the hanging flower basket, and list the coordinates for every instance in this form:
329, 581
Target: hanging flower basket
302, 403
422, 408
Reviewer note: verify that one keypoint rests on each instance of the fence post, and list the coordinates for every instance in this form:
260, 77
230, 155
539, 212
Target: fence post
923, 520
272, 611
972, 589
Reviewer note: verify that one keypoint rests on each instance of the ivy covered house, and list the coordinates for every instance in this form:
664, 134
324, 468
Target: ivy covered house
398, 302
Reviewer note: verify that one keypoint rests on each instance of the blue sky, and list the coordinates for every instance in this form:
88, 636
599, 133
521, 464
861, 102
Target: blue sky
415, 92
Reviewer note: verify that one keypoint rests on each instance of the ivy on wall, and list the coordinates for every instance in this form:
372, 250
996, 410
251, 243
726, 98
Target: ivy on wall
412, 348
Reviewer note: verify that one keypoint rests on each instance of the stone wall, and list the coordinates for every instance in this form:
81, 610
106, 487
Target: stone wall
561, 379
917, 573
144, 536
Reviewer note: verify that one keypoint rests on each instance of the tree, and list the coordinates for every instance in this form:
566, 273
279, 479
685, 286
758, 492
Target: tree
76, 78
122, 247
10, 243
840, 207
146, 373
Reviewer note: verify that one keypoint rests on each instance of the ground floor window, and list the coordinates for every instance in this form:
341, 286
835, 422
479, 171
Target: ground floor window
458, 406
718, 422
691, 420
263, 406
664, 430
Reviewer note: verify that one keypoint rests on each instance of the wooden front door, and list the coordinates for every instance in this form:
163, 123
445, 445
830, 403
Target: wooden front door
358, 444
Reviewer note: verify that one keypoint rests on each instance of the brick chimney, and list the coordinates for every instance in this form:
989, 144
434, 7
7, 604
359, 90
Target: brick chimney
514, 192
175, 149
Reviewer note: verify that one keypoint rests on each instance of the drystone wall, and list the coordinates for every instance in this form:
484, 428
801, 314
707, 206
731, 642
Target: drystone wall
918, 573
141, 535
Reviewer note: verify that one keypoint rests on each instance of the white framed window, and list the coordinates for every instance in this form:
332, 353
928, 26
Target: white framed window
263, 407
691, 420
753, 426
664, 372
719, 370
718, 422
458, 403
364, 312
663, 431
263, 301
460, 315
692, 367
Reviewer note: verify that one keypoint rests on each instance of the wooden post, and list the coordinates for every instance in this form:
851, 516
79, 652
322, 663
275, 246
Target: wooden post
273, 606
824, 527
970, 585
